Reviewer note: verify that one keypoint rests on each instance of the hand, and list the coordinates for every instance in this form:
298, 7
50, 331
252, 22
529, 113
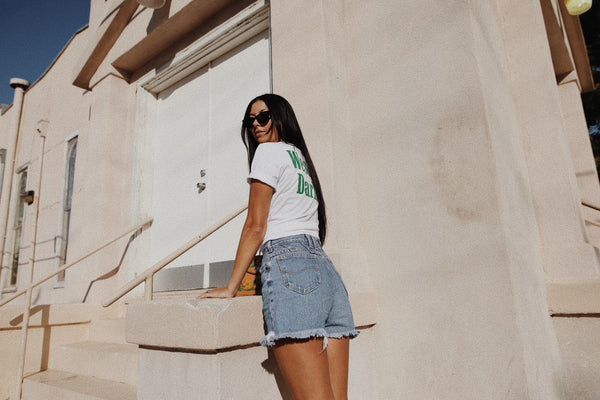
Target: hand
220, 293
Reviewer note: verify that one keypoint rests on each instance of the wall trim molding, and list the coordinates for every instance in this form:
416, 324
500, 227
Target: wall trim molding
244, 26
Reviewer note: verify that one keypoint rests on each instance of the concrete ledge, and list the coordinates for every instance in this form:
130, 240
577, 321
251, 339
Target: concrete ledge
195, 324
108, 36
581, 297
248, 373
111, 361
51, 385
213, 324
579, 344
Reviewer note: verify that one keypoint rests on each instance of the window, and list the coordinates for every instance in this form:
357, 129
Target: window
2, 164
17, 231
67, 204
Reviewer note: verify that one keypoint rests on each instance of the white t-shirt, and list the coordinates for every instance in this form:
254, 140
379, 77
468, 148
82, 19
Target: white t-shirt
294, 204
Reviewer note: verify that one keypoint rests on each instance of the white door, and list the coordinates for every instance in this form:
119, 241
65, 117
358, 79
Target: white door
197, 142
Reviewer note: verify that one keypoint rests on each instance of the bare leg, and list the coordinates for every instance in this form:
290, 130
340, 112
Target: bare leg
305, 368
338, 352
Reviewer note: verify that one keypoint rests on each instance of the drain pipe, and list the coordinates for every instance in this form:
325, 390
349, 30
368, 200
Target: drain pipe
20, 85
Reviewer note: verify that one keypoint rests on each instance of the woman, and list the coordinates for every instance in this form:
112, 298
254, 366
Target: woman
305, 303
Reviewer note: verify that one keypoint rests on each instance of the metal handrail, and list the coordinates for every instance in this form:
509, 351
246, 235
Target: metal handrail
142, 225
148, 275
29, 290
591, 205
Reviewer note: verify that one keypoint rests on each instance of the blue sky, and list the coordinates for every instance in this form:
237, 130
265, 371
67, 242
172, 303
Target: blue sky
32, 34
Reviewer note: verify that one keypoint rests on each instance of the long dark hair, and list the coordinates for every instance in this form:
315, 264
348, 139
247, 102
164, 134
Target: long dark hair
284, 119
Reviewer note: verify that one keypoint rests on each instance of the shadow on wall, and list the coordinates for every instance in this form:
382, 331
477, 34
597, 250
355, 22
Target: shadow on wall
45, 323
159, 16
270, 365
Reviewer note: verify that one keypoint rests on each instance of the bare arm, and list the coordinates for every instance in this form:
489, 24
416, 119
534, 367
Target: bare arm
253, 233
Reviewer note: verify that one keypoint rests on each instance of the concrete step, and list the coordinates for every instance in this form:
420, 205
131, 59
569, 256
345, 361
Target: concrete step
110, 330
112, 361
60, 385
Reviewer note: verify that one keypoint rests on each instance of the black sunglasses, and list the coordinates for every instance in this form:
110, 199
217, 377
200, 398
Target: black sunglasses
262, 118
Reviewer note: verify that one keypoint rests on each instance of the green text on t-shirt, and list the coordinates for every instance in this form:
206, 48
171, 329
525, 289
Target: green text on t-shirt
304, 187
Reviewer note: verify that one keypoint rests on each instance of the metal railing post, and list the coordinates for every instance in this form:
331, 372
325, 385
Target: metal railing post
29, 294
64, 268
23, 348
149, 288
147, 275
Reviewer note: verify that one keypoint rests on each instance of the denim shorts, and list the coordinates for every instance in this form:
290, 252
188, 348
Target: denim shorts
303, 294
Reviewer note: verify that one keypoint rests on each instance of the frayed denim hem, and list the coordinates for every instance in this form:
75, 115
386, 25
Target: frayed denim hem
270, 339
352, 334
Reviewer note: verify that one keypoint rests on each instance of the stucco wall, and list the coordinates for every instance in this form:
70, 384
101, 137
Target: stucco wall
55, 109
51, 107
414, 118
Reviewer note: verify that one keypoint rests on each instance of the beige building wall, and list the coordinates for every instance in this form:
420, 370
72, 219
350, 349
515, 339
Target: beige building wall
453, 161
54, 112
437, 134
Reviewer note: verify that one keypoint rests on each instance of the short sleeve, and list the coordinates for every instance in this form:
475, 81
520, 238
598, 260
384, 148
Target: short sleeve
265, 166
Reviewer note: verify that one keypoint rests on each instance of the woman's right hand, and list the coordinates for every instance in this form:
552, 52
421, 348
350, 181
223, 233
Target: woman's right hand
254, 230
219, 293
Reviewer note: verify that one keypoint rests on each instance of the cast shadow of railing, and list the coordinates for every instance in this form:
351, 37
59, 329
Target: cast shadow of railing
116, 269
46, 336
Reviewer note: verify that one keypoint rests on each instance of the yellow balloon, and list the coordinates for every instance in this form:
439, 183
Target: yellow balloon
576, 7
